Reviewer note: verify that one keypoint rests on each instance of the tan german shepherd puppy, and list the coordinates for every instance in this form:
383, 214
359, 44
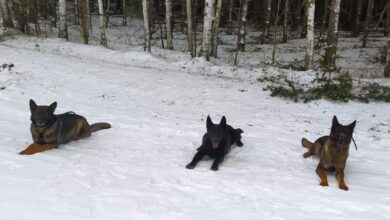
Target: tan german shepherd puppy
332, 151
49, 130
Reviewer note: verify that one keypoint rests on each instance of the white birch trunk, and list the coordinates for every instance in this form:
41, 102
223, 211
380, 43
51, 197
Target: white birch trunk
207, 29
103, 39
63, 29
218, 9
242, 30
309, 33
168, 20
190, 28
145, 10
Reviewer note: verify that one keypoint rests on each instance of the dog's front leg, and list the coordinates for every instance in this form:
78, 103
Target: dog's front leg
36, 148
216, 162
198, 156
340, 178
322, 174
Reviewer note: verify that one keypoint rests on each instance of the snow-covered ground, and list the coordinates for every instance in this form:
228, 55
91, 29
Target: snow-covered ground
157, 108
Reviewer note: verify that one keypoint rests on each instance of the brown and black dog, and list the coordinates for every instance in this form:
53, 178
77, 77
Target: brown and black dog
332, 151
49, 130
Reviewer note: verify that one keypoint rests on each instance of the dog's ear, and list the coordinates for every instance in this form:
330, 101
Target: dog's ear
209, 123
33, 105
335, 122
351, 127
223, 121
52, 107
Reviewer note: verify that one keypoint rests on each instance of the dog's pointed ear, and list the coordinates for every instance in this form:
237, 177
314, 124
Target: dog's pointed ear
209, 123
351, 127
223, 121
53, 107
33, 105
335, 122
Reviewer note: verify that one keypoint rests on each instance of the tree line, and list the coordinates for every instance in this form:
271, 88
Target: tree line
319, 21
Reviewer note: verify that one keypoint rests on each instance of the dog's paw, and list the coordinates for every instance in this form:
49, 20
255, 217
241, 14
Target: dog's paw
214, 168
190, 166
307, 154
323, 183
343, 187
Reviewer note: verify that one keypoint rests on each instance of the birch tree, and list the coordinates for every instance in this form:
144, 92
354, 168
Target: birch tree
103, 39
207, 29
218, 7
145, 10
84, 22
367, 22
6, 14
63, 29
331, 44
168, 20
309, 33
190, 28
241, 28
285, 20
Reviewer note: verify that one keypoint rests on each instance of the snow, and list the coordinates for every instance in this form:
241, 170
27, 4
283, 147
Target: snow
157, 108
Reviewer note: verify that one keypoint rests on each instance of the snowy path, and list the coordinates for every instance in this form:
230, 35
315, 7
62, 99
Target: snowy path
136, 169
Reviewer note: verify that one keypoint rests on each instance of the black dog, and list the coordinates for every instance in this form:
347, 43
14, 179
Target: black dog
217, 142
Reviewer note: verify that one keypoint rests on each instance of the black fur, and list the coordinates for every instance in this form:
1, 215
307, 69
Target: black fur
217, 142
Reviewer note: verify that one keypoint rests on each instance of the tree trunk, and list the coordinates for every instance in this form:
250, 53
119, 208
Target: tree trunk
356, 29
168, 18
63, 29
190, 28
285, 20
84, 23
183, 15
124, 22
6, 14
76, 12
89, 13
309, 33
214, 49
387, 67
107, 14
267, 19
331, 45
241, 28
207, 29
230, 22
370, 7
387, 23
145, 10
103, 39
274, 40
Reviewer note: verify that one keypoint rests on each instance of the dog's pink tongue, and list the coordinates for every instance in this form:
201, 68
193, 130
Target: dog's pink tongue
215, 145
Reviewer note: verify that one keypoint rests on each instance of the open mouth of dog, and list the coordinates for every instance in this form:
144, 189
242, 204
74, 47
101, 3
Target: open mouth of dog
215, 145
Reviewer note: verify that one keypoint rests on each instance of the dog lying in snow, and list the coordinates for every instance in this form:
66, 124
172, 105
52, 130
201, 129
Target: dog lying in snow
217, 142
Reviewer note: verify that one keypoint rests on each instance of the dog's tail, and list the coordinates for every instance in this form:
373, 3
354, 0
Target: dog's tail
306, 143
99, 126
